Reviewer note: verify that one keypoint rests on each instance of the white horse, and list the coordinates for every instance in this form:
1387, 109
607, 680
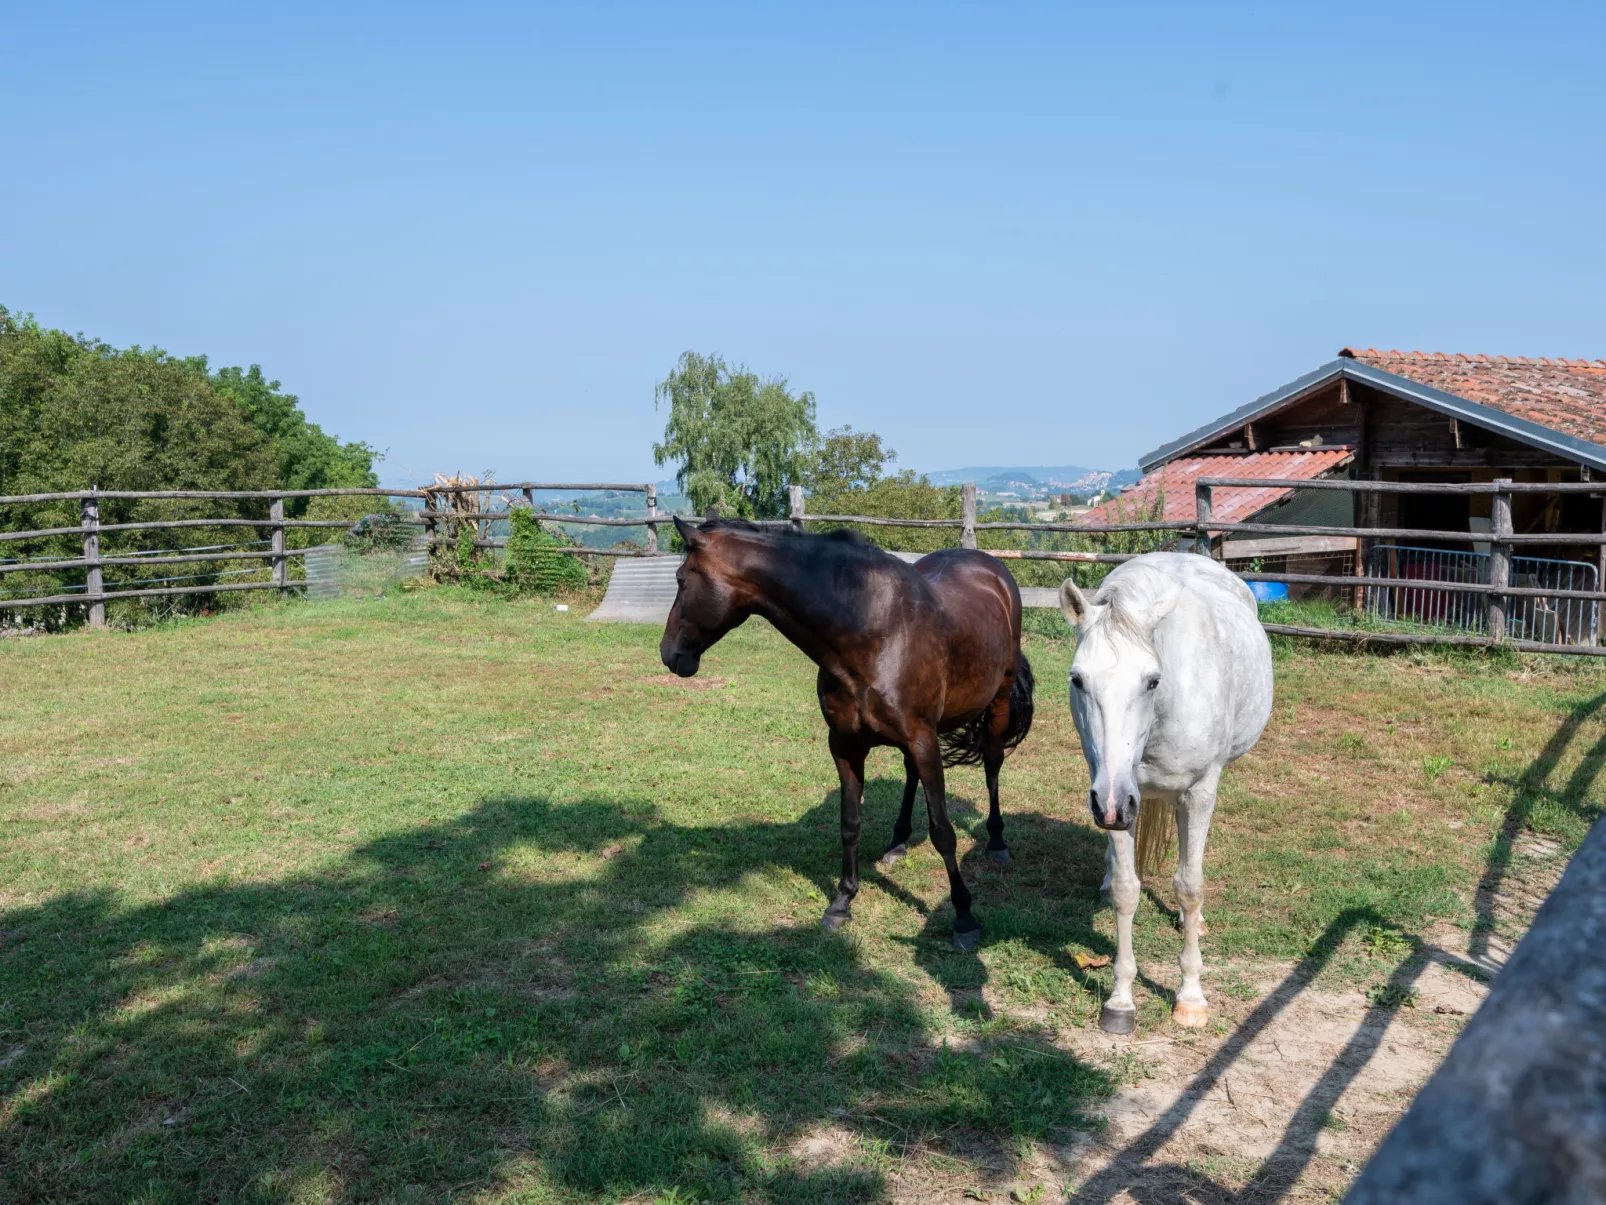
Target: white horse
1171, 681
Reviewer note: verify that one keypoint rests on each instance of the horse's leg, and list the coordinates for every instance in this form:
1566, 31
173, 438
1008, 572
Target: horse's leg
1120, 1013
899, 849
849, 758
1194, 807
996, 848
928, 757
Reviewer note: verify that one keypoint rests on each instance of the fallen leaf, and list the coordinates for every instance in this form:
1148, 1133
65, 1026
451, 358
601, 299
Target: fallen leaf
1447, 1011
975, 1194
485, 865
1084, 960
611, 852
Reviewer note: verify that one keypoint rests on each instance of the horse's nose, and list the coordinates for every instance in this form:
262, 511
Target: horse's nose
1108, 817
1129, 811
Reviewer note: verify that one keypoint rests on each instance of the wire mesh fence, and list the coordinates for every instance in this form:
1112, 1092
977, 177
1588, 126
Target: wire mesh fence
1528, 617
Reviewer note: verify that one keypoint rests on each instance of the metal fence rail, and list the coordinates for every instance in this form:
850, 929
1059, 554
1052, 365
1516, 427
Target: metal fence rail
1545, 619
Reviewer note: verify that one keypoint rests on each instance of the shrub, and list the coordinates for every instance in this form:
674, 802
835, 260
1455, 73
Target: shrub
533, 562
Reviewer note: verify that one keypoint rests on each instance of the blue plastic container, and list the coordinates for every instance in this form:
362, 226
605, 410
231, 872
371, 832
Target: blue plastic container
1268, 591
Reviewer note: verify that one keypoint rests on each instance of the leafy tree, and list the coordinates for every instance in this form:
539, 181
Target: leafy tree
845, 460
904, 495
307, 458
76, 412
738, 441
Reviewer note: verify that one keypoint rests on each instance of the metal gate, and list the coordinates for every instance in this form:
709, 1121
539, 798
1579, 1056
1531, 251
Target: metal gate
1528, 617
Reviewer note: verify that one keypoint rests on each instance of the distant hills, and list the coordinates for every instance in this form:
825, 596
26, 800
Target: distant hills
1036, 480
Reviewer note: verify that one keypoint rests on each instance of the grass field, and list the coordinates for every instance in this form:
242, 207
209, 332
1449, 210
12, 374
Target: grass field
433, 897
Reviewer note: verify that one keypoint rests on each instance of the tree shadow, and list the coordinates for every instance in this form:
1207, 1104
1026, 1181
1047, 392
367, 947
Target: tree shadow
531, 992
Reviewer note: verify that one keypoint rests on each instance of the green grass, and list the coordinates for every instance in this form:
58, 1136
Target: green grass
439, 896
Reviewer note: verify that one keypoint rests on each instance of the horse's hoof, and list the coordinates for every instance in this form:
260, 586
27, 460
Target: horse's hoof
1190, 1015
1000, 855
895, 855
966, 940
832, 921
1118, 1020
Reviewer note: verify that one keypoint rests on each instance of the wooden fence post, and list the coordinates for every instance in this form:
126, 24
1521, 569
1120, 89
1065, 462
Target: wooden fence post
1201, 518
89, 517
429, 533
967, 533
281, 565
797, 508
1499, 559
652, 510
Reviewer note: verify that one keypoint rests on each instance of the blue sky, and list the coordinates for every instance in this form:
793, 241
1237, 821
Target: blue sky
475, 235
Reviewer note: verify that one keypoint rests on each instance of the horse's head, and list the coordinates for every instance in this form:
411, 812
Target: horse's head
708, 602
1115, 679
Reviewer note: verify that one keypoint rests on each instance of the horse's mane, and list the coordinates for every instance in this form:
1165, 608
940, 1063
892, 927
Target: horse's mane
780, 532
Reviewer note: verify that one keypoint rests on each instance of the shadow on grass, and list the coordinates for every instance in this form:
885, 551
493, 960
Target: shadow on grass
1530, 788
522, 996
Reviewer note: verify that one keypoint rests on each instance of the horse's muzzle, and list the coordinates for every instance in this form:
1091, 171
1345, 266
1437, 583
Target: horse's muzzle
1113, 816
680, 661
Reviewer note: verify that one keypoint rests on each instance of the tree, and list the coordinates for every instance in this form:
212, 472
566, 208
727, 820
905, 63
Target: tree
739, 442
845, 460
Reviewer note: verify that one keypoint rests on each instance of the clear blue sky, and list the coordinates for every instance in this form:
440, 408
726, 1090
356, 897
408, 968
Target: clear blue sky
1000, 234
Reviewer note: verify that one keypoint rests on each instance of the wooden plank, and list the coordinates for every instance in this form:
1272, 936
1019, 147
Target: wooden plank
652, 510
492, 515
795, 498
116, 594
1587, 538
1239, 550
52, 566
1349, 636
967, 530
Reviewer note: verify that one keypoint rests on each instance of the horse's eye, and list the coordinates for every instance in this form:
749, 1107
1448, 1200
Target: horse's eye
1076, 681
1153, 682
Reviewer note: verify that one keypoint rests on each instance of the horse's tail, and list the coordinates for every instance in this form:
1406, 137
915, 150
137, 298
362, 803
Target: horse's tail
965, 746
1153, 838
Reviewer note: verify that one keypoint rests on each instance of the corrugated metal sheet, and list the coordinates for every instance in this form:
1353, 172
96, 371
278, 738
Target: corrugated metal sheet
640, 590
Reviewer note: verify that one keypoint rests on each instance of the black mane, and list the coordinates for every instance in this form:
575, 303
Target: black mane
781, 531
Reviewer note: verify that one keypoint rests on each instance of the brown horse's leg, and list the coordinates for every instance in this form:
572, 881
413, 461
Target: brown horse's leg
850, 771
899, 849
996, 849
928, 756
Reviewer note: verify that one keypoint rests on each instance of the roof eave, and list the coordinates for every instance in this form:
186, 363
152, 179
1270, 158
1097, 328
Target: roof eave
1579, 451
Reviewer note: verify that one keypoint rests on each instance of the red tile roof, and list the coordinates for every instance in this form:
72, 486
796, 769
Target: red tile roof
1229, 504
1565, 395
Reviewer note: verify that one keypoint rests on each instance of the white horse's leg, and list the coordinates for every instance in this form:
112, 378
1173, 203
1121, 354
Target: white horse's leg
1120, 1013
1194, 808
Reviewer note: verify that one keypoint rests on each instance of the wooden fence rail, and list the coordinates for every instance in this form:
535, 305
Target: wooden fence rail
1201, 530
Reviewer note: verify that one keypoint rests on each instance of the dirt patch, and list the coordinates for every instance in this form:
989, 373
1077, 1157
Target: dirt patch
699, 683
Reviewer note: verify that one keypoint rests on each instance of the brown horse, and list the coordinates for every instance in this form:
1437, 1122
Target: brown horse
923, 657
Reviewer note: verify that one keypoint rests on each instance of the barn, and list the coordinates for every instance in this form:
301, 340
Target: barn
1406, 416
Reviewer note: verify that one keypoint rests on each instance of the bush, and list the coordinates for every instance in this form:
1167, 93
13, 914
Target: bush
533, 562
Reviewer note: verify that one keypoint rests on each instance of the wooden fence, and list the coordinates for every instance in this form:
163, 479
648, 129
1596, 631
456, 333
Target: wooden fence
440, 520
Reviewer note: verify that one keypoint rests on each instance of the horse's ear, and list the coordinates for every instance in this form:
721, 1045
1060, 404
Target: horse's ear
1073, 602
689, 535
